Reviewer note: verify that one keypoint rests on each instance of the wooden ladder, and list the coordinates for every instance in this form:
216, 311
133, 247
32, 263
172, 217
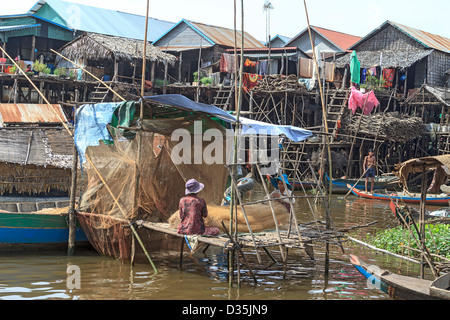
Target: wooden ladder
100, 93
444, 147
223, 97
335, 111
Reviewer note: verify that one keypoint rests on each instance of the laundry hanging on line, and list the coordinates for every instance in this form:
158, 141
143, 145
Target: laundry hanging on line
227, 63
366, 101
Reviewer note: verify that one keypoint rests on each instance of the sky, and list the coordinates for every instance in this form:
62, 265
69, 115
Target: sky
288, 17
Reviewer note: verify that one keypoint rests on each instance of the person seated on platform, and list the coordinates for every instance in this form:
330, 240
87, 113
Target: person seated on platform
192, 210
369, 169
281, 191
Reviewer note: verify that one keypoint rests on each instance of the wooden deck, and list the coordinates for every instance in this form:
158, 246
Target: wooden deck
262, 240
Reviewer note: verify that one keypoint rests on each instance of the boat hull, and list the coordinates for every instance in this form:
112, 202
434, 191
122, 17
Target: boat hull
36, 231
440, 288
339, 185
438, 201
396, 286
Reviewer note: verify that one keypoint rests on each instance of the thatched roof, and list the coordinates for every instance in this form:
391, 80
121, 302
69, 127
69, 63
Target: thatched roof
402, 170
41, 147
391, 58
94, 46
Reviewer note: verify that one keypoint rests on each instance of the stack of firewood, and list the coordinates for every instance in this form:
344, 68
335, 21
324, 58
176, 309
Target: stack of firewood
392, 127
277, 82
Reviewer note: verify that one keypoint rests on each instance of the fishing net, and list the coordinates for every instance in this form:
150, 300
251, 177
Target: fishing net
259, 216
137, 178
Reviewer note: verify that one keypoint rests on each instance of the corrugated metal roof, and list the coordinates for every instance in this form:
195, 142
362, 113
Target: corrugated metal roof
425, 38
30, 113
213, 35
18, 27
110, 22
428, 40
225, 37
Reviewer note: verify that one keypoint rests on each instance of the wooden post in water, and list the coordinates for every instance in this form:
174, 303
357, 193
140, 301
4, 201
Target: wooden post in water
73, 187
423, 196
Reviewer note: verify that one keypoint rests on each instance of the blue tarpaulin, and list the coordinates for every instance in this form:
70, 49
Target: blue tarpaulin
180, 101
249, 126
90, 126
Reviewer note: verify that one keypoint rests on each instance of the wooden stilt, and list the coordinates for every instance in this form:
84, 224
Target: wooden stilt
181, 253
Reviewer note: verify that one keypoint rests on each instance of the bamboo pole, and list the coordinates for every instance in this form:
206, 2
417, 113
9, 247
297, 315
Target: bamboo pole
237, 127
273, 212
325, 137
144, 61
233, 180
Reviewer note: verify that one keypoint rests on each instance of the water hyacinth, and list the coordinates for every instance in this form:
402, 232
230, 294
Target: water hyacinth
437, 240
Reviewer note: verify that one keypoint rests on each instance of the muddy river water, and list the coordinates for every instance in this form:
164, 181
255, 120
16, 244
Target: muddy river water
44, 275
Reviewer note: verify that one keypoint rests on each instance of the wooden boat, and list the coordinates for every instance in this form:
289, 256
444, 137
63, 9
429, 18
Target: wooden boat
439, 199
440, 287
441, 214
399, 286
307, 185
339, 185
41, 230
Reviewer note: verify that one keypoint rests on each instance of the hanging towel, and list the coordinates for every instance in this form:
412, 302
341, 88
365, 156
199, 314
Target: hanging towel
227, 63
355, 68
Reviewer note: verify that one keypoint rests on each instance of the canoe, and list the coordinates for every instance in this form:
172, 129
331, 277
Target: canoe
339, 185
36, 231
439, 199
395, 285
440, 287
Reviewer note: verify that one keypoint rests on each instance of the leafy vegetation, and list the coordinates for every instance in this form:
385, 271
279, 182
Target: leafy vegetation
206, 80
437, 240
39, 67
373, 83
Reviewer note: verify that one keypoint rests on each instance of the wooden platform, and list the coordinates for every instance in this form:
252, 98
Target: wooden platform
262, 240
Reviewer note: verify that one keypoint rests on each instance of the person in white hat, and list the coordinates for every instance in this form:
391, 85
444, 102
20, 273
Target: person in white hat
192, 210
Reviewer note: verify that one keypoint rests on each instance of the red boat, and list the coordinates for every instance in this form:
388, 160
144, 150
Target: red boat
438, 199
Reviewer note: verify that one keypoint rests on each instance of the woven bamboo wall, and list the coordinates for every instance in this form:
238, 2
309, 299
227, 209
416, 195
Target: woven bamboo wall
389, 39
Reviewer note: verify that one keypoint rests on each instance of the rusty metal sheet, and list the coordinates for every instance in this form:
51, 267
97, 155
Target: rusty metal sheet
225, 37
428, 39
30, 113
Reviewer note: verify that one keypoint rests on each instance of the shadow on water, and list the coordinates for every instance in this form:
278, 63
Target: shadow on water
205, 276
